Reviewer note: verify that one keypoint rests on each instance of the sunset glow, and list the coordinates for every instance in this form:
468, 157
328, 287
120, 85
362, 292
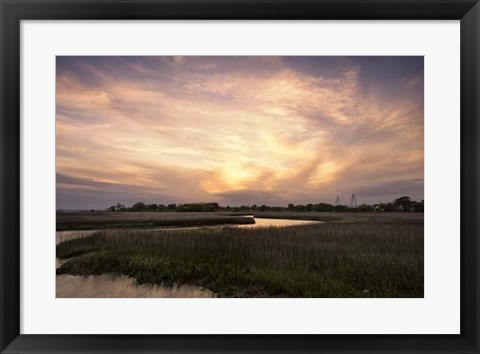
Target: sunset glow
238, 130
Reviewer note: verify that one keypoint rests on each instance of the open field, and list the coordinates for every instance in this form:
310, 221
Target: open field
368, 256
100, 219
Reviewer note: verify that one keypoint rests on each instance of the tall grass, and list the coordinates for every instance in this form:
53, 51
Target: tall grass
382, 259
105, 220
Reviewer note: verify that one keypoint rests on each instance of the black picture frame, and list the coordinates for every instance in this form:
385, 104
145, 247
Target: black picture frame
13, 11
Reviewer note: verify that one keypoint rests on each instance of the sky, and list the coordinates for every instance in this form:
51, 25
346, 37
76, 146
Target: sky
238, 130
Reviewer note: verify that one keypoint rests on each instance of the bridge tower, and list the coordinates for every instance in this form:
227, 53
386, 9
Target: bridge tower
353, 201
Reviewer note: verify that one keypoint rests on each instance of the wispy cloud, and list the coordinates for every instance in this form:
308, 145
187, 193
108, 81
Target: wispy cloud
239, 130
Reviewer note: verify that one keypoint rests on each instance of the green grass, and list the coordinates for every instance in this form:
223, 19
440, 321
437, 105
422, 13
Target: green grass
365, 259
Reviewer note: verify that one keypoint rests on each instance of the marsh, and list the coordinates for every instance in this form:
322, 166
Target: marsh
357, 256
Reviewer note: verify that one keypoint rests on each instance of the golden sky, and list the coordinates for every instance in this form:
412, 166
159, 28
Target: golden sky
238, 130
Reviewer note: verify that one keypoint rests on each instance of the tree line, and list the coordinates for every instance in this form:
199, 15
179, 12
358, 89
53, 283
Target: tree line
402, 204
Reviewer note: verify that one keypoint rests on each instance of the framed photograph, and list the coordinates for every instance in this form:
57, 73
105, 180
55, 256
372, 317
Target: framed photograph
239, 176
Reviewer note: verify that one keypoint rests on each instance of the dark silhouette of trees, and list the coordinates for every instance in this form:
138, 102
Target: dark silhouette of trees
417, 206
340, 208
151, 207
364, 208
402, 204
139, 206
322, 207
161, 207
197, 207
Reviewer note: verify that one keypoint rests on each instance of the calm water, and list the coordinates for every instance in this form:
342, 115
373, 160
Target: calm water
70, 235
105, 286
278, 223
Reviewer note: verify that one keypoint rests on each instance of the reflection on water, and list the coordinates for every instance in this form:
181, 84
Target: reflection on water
104, 286
59, 262
70, 235
259, 222
278, 223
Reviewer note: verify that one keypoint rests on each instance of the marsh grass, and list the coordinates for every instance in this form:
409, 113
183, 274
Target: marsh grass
143, 220
345, 217
313, 216
381, 259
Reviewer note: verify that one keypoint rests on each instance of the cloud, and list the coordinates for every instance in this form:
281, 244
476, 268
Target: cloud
245, 197
241, 129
